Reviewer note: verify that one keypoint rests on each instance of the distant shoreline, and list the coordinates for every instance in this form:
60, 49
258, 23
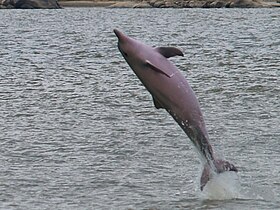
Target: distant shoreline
57, 4
87, 3
171, 4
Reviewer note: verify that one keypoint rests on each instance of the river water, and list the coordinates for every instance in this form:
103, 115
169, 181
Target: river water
79, 131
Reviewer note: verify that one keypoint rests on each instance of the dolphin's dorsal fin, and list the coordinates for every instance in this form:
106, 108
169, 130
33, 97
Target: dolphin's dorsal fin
169, 51
157, 103
159, 70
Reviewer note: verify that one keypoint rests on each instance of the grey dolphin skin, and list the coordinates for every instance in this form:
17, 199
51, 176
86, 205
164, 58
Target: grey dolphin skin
171, 91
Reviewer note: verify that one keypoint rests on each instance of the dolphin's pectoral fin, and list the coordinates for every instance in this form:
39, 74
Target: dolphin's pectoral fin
157, 103
169, 51
159, 70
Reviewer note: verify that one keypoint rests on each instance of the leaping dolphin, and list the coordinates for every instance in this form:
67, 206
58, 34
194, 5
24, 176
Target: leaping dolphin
172, 92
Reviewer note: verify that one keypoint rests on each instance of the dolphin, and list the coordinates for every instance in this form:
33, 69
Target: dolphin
172, 92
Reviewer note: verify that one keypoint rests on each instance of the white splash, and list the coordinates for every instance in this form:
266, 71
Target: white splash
222, 186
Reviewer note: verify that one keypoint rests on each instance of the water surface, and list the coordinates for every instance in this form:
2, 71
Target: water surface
79, 131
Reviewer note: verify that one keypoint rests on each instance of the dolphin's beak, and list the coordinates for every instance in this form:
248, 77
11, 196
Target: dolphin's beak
120, 35
117, 32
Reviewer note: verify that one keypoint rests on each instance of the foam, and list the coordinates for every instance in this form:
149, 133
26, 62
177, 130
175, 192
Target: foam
222, 186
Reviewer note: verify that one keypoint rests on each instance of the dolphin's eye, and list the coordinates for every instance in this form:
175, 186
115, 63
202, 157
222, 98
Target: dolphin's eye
125, 54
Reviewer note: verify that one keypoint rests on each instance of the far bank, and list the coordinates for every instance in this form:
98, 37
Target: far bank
171, 3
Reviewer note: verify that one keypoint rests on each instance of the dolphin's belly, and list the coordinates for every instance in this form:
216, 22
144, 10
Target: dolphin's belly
181, 97
178, 98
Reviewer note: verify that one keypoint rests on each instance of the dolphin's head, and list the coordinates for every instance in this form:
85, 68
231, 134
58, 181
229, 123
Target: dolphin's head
219, 166
123, 39
134, 52
127, 46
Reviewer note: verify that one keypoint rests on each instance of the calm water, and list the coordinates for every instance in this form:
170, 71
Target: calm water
79, 131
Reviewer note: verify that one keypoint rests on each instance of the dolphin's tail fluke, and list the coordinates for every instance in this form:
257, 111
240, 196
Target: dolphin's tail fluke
218, 166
